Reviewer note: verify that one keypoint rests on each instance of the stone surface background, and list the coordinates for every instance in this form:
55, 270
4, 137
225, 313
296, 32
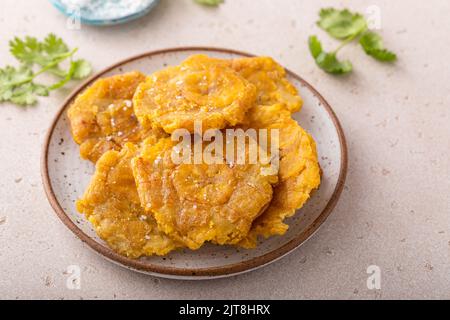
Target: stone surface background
394, 211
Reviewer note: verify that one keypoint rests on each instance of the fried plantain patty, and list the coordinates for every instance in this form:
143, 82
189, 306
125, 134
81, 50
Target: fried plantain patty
102, 117
194, 203
111, 203
200, 88
299, 172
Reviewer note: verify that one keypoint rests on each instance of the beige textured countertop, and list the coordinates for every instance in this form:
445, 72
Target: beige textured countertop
393, 213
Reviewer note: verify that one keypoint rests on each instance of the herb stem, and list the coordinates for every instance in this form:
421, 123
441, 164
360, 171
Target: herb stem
58, 59
348, 40
343, 44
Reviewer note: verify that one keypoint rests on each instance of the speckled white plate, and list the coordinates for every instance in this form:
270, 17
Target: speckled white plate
66, 175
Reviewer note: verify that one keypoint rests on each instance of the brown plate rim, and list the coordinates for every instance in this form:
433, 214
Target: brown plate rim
225, 270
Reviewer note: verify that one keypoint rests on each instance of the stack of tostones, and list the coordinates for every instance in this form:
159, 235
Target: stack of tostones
145, 198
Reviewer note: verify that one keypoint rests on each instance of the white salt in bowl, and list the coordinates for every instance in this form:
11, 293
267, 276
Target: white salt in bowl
104, 12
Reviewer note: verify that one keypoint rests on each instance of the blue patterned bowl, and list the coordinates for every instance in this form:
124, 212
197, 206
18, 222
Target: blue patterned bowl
104, 12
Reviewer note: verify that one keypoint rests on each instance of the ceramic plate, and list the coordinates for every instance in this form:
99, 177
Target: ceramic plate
104, 13
66, 175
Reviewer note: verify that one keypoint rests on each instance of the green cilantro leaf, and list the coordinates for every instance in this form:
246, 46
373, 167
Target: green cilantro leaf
27, 93
27, 51
372, 44
30, 51
315, 46
211, 3
82, 69
328, 61
54, 46
8, 77
79, 69
51, 51
341, 24
18, 86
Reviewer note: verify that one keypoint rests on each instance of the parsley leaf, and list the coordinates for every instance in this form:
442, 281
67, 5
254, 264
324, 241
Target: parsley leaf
17, 84
328, 61
341, 24
211, 3
372, 44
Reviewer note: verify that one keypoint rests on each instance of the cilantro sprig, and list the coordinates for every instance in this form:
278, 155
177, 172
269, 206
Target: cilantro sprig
17, 85
346, 26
